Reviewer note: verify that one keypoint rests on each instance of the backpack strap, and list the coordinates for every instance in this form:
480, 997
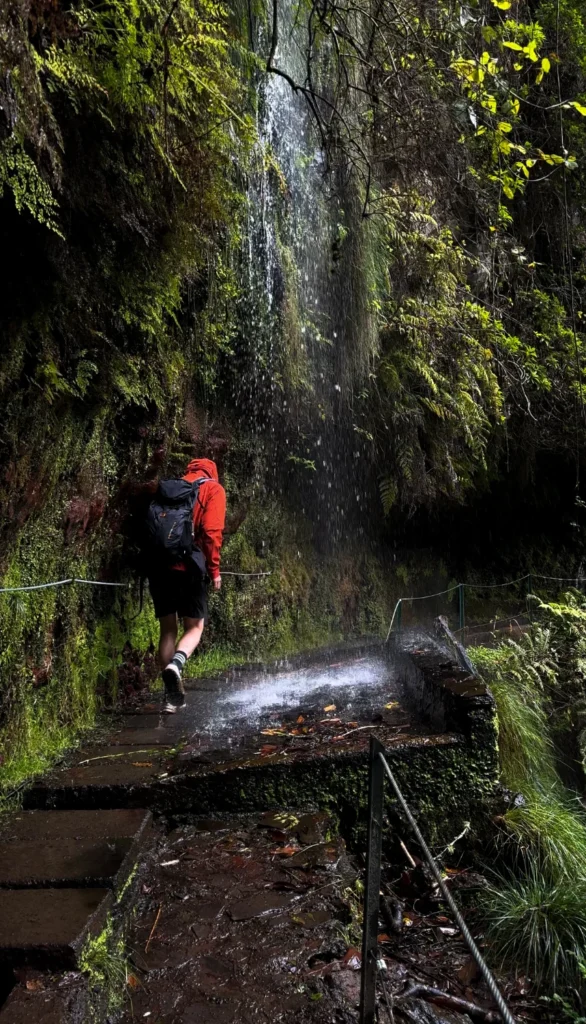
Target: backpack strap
203, 480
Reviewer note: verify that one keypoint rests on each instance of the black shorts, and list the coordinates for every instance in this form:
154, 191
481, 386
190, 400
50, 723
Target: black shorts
177, 592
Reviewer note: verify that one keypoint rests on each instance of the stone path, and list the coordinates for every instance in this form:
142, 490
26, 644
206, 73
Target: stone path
243, 920
251, 743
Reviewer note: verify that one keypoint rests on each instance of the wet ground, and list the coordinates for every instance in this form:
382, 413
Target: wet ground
258, 918
242, 720
238, 920
239, 704
289, 708
244, 916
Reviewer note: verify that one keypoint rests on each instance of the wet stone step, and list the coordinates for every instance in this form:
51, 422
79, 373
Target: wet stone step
85, 825
47, 928
49, 849
155, 737
114, 776
54, 1004
66, 862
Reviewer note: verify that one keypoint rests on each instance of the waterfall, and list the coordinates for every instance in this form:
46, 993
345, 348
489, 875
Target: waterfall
296, 383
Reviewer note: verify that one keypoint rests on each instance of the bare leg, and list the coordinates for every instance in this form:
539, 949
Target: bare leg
193, 628
167, 639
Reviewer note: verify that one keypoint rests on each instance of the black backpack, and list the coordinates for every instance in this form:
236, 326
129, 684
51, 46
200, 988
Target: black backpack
168, 527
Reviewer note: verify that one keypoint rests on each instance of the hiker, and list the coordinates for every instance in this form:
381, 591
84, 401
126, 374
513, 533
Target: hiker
179, 588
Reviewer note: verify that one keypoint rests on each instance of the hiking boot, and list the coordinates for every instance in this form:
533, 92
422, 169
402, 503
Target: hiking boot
174, 691
172, 677
173, 702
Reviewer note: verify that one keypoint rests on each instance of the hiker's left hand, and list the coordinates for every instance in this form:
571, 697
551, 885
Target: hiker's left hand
217, 583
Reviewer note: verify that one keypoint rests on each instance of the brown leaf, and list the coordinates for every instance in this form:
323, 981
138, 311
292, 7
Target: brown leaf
300, 720
269, 748
285, 851
35, 985
352, 952
468, 972
142, 764
132, 981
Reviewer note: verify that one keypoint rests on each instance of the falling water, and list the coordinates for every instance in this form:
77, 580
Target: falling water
295, 389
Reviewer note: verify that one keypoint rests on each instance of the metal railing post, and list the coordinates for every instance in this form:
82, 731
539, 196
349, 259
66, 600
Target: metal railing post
372, 885
461, 609
529, 593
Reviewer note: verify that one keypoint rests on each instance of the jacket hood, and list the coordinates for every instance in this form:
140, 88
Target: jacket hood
203, 467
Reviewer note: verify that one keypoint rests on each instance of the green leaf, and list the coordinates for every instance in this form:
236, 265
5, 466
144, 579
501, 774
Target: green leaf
546, 65
579, 107
504, 126
503, 5
512, 46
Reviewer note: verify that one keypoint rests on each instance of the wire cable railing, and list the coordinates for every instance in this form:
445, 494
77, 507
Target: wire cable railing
60, 583
379, 767
460, 588
102, 583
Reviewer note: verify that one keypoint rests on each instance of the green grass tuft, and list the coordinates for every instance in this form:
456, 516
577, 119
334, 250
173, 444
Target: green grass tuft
554, 833
538, 922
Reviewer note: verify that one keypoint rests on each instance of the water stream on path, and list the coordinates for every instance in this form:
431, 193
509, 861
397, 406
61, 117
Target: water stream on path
234, 707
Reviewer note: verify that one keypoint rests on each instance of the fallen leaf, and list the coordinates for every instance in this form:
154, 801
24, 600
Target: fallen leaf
352, 952
273, 732
331, 721
330, 707
522, 986
285, 851
300, 720
142, 764
384, 937
393, 704
269, 748
35, 985
468, 972
133, 981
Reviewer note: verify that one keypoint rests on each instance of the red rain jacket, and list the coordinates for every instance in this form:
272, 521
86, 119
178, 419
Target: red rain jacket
209, 514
